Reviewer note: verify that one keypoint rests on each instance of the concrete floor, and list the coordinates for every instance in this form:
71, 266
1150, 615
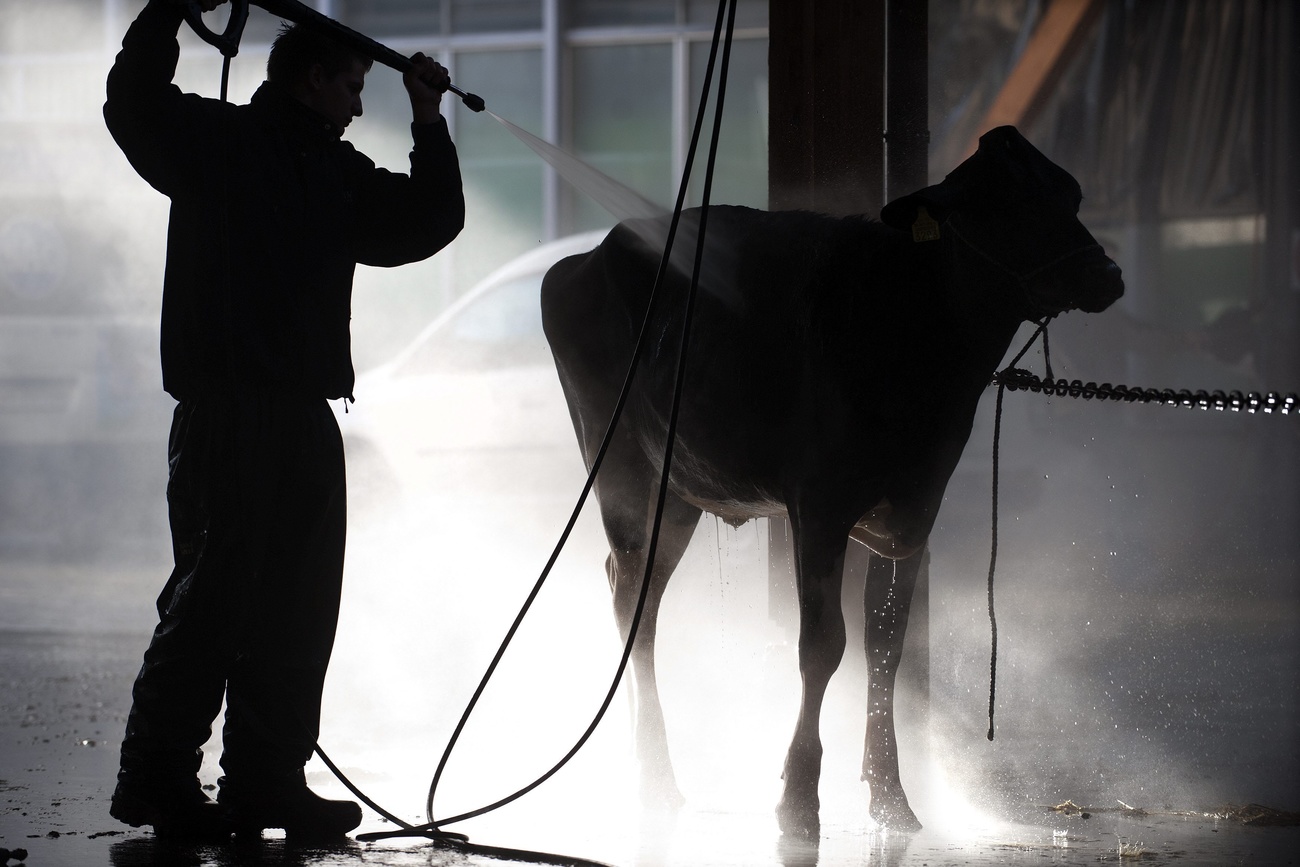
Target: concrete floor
1099, 705
64, 698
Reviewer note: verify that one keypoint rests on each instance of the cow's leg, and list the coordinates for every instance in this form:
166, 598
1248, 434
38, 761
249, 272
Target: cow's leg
888, 596
628, 515
819, 567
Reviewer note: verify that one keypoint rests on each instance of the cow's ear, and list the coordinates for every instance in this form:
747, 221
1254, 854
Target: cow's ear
997, 148
920, 213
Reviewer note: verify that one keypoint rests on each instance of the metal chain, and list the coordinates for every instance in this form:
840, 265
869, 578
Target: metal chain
1018, 379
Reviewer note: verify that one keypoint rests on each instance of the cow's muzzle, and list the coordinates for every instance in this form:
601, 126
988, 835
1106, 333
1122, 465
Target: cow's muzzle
1104, 285
1085, 279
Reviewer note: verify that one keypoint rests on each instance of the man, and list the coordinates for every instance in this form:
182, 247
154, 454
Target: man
270, 213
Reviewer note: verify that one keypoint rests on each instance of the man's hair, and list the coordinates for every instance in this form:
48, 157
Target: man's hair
297, 48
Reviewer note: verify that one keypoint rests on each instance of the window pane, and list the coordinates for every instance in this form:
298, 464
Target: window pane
623, 121
378, 18
488, 16
749, 13
616, 13
503, 178
740, 177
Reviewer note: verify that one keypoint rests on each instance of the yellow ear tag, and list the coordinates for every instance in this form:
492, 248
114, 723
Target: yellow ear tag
926, 228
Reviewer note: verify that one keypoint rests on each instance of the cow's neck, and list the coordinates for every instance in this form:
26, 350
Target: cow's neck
984, 312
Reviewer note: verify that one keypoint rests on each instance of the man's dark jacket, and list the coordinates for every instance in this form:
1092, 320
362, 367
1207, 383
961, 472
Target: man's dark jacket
271, 212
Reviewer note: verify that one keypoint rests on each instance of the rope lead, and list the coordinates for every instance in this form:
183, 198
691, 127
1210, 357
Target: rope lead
993, 560
1019, 379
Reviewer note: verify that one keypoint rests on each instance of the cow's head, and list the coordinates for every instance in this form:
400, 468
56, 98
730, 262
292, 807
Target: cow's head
1015, 210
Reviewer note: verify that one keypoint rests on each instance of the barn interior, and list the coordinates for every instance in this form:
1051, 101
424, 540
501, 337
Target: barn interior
1148, 572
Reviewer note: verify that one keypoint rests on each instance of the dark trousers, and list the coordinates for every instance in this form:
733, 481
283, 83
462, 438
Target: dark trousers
256, 496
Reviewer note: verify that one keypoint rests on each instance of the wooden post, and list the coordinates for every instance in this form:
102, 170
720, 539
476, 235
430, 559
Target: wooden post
838, 70
907, 124
826, 151
826, 113
908, 164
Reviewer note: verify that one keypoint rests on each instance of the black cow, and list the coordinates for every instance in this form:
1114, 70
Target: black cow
835, 366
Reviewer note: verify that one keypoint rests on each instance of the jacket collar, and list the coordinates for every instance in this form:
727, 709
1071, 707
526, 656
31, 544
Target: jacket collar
281, 109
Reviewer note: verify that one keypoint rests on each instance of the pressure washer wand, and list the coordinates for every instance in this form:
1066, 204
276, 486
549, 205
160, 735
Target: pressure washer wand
292, 10
298, 13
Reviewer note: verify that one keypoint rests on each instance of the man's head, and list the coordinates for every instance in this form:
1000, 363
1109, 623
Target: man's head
318, 72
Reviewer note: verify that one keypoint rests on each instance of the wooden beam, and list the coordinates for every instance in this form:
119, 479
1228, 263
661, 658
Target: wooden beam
907, 87
826, 98
1054, 44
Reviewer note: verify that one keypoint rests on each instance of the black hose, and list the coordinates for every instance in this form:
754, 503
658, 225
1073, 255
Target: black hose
433, 824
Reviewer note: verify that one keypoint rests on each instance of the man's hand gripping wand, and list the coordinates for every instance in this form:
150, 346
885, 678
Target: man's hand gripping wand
227, 42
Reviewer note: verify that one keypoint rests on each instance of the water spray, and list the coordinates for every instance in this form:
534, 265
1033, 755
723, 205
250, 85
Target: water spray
227, 42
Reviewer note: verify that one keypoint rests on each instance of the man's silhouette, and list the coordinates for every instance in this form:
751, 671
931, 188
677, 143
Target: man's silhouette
270, 213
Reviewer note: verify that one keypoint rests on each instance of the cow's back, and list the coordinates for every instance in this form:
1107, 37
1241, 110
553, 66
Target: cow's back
775, 287
799, 318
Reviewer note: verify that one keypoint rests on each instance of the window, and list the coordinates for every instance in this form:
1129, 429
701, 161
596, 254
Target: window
740, 177
495, 16
387, 18
624, 125
439, 17
623, 13
634, 13
503, 179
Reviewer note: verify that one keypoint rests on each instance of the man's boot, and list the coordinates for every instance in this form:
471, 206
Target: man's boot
254, 804
178, 809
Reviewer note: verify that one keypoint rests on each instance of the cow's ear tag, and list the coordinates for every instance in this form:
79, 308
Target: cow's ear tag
926, 228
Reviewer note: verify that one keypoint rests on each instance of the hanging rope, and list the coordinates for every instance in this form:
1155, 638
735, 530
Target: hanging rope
1019, 379
993, 560
993, 548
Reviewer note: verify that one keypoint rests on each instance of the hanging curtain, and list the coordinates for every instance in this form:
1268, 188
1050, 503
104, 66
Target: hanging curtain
1161, 115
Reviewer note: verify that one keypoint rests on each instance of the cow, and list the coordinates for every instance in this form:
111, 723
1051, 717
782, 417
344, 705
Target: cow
834, 370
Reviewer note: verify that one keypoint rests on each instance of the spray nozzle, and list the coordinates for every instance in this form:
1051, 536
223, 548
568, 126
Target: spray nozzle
472, 101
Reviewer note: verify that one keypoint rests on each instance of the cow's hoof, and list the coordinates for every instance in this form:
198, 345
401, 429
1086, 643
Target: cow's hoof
895, 816
799, 822
795, 851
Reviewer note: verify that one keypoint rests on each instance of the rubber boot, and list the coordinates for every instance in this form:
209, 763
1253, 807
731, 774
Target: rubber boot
252, 805
176, 810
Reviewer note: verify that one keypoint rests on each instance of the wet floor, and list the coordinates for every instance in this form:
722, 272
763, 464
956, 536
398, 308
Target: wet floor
1129, 717
64, 702
730, 840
